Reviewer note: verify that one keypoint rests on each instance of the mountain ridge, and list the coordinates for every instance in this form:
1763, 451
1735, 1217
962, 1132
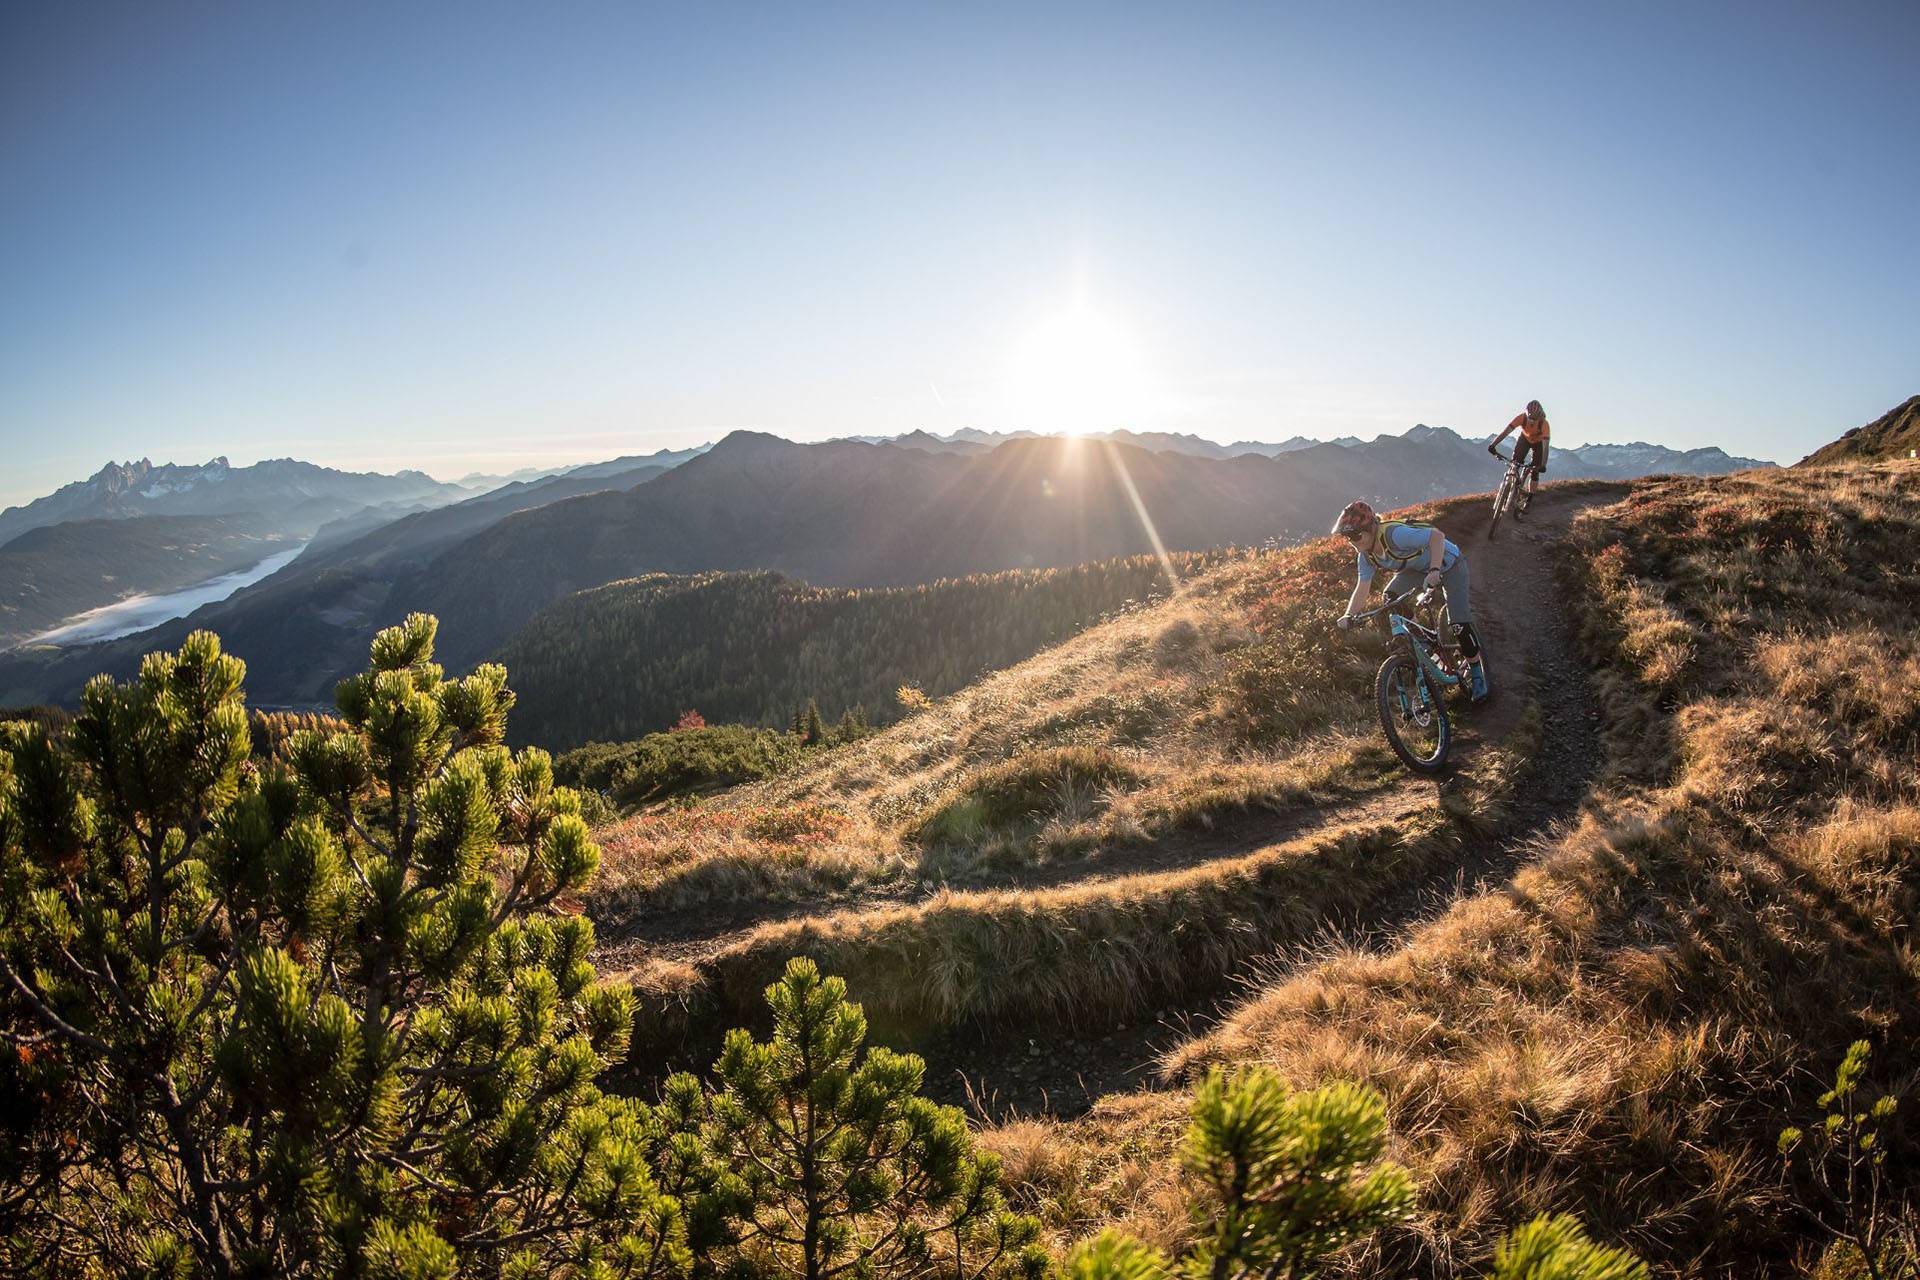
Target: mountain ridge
1894, 434
285, 485
832, 514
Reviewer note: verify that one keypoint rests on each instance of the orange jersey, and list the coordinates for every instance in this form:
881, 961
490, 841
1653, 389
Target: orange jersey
1528, 432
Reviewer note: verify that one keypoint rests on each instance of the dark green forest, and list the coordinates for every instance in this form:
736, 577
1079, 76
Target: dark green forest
623, 660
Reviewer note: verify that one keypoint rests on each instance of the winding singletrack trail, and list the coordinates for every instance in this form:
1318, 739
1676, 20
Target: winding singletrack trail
1000, 1072
692, 936
1522, 619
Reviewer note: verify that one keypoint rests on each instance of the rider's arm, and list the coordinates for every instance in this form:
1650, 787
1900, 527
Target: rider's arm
1503, 435
1362, 587
1436, 550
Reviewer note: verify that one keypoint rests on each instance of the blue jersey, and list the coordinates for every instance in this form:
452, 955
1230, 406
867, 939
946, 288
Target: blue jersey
1403, 546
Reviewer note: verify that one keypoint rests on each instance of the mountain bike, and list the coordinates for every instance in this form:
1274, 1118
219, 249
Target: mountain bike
1422, 663
1512, 490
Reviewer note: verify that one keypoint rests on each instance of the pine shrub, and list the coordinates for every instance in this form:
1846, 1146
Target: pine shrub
320, 1017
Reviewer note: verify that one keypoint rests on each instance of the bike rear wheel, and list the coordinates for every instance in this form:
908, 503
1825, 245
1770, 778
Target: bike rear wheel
1413, 713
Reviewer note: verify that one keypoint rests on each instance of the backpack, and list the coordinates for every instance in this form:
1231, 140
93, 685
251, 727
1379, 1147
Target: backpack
1387, 557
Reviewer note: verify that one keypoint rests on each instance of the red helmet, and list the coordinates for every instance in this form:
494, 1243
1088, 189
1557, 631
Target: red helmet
1356, 517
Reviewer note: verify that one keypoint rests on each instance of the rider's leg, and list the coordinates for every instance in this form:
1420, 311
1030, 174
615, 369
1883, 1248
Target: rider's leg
1459, 584
1405, 580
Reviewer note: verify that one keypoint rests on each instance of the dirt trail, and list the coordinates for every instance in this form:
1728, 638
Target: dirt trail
1519, 616
693, 935
1522, 620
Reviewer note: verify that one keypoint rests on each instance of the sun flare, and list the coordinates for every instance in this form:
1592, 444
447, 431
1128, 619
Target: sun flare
1078, 371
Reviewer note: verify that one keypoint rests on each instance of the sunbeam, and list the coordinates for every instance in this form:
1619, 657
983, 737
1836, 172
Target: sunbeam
1140, 509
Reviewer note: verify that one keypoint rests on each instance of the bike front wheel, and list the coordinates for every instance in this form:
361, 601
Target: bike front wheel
1499, 505
1413, 713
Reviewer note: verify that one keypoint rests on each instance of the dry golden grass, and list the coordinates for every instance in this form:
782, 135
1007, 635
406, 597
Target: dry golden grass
680, 857
1094, 953
1113, 1163
1226, 697
1140, 734
1624, 1029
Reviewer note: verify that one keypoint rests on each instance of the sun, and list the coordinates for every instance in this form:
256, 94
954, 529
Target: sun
1076, 372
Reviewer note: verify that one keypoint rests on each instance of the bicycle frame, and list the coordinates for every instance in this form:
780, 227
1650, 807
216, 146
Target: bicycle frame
1423, 641
1511, 484
1514, 473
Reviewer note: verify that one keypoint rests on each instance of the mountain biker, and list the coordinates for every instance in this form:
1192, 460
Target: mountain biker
1402, 546
1531, 423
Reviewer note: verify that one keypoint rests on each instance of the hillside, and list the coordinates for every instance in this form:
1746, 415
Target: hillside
414, 539
1894, 434
625, 659
1598, 970
1227, 729
50, 573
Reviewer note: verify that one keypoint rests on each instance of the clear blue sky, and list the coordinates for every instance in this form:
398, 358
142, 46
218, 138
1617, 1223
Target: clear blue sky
471, 236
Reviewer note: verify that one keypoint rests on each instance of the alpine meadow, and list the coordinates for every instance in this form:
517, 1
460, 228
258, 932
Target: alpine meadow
860, 642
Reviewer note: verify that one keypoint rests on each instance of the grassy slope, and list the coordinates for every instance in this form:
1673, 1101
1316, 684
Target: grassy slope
1170, 794
1892, 435
1623, 1031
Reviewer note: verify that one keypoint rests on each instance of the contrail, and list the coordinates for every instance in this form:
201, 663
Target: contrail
1140, 509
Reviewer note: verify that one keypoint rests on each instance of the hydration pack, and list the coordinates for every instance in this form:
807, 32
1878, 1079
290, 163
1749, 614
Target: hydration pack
1386, 557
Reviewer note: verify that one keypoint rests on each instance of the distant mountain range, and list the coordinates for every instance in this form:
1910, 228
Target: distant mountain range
840, 513
1610, 461
296, 495
309, 623
479, 483
125, 530
133, 528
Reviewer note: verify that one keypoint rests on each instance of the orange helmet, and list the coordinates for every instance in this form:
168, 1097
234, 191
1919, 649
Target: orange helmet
1356, 517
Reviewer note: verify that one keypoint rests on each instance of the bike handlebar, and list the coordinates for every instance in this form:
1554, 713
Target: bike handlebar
1421, 597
